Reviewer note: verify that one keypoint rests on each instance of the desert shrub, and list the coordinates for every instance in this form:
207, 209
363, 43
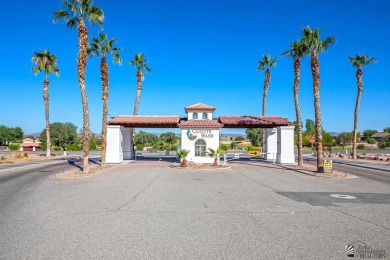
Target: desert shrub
361, 147
56, 148
25, 154
18, 156
239, 139
13, 147
371, 140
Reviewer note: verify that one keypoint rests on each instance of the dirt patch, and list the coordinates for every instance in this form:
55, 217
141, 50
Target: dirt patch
201, 166
93, 171
22, 157
312, 171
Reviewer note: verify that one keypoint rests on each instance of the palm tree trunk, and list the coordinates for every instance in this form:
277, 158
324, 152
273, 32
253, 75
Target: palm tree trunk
104, 79
136, 103
81, 64
265, 94
359, 74
297, 72
315, 64
46, 100
139, 89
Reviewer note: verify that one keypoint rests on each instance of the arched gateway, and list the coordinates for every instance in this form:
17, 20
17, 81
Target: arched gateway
199, 131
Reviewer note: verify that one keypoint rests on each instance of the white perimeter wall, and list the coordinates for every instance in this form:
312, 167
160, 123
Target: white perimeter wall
285, 145
271, 147
188, 144
114, 144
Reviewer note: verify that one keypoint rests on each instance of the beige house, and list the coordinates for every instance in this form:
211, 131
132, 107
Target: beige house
30, 145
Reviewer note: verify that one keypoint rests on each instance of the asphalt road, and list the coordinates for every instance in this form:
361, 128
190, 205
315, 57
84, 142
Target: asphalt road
380, 173
148, 210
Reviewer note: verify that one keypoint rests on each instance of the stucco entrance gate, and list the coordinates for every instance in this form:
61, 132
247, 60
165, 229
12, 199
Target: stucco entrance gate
200, 131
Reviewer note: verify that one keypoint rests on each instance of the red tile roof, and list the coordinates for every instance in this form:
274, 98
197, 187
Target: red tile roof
253, 121
199, 106
146, 121
30, 144
201, 124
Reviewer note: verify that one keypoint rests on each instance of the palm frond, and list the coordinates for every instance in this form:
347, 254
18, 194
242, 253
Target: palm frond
61, 15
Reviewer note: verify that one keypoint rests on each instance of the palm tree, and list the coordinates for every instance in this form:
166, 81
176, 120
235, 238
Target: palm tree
140, 63
314, 45
297, 52
74, 14
102, 47
182, 154
215, 154
265, 64
358, 61
47, 62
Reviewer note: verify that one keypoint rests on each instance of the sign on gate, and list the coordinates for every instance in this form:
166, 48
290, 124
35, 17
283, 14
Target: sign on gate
253, 153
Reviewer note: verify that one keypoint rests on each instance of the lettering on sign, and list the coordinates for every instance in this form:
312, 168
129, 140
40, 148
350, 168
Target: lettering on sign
203, 133
328, 165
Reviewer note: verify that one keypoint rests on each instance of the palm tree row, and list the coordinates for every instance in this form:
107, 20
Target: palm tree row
75, 14
311, 44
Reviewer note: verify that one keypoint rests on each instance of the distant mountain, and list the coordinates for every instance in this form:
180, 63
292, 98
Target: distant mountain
33, 135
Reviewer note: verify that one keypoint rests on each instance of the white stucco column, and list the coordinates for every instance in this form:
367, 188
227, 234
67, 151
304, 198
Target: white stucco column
271, 147
127, 134
285, 145
114, 153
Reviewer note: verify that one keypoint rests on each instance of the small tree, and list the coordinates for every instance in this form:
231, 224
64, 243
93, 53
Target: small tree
182, 154
61, 134
233, 145
344, 139
215, 154
254, 135
169, 138
239, 139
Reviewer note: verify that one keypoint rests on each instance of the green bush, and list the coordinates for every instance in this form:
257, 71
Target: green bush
371, 140
156, 147
13, 147
43, 146
174, 148
73, 147
224, 147
361, 147
92, 145
56, 148
250, 148
233, 145
239, 139
165, 148
139, 147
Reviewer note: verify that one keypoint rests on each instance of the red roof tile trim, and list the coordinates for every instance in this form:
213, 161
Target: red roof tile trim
201, 124
199, 106
253, 121
146, 121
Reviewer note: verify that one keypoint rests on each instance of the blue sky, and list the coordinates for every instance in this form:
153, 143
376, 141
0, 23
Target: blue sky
199, 51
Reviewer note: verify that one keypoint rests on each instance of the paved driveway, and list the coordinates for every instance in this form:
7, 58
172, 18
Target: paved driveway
148, 210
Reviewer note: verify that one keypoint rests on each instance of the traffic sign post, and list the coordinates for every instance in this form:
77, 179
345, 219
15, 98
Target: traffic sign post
328, 165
